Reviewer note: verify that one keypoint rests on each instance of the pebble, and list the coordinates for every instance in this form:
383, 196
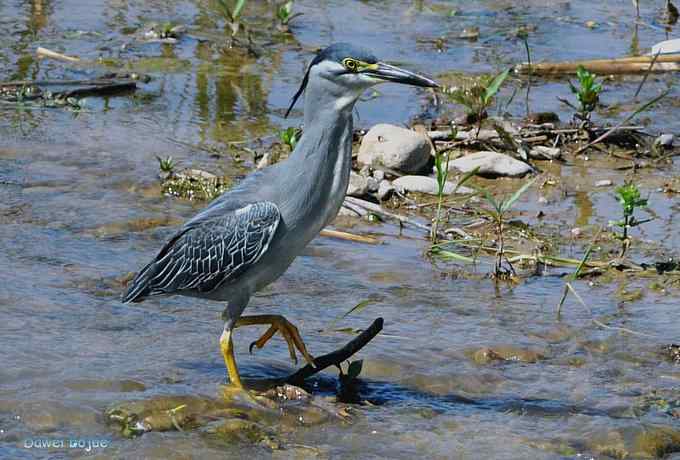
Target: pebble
373, 184
424, 184
604, 183
385, 190
665, 141
358, 185
491, 164
395, 148
542, 152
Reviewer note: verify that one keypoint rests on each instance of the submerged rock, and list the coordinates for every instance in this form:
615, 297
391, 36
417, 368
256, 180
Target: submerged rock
424, 184
395, 148
491, 164
640, 441
486, 355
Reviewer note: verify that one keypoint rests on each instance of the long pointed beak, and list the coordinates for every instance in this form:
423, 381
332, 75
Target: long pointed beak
394, 74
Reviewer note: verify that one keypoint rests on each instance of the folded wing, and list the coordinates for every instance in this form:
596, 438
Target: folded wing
208, 252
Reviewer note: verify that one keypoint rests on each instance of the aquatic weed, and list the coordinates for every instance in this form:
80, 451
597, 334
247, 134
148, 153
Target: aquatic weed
290, 136
284, 13
628, 196
232, 12
497, 213
478, 96
587, 93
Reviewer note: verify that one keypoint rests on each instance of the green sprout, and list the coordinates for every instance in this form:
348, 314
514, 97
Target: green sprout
353, 371
442, 170
231, 10
628, 195
478, 96
497, 213
167, 165
290, 136
442, 174
587, 93
284, 13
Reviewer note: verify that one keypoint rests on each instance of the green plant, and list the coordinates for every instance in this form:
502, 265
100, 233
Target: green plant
284, 13
442, 170
290, 136
442, 174
628, 195
587, 93
478, 96
497, 213
353, 371
231, 10
167, 165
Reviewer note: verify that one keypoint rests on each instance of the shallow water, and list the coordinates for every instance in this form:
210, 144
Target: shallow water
80, 207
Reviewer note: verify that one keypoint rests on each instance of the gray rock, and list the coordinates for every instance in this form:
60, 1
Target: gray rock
665, 140
395, 148
385, 190
378, 175
372, 184
424, 184
491, 164
541, 152
358, 185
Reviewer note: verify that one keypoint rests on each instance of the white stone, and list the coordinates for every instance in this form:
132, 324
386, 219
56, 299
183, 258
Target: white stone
385, 190
358, 185
491, 164
424, 184
395, 148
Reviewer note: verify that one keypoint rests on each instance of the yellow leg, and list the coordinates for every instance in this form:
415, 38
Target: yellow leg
227, 347
278, 324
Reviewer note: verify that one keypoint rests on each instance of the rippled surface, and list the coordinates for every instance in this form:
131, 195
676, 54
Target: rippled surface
80, 207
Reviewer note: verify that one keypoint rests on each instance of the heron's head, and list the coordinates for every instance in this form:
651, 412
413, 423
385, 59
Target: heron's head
345, 71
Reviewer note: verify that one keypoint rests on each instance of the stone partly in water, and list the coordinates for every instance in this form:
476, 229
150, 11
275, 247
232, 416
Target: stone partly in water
665, 141
541, 152
358, 185
385, 190
424, 184
487, 355
491, 164
395, 148
640, 441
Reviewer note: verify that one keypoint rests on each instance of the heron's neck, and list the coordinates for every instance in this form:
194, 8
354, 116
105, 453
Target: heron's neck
327, 125
322, 161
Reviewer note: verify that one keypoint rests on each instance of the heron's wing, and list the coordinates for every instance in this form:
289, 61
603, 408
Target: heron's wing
208, 251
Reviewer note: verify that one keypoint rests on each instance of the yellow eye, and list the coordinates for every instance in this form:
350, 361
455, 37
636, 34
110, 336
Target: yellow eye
350, 64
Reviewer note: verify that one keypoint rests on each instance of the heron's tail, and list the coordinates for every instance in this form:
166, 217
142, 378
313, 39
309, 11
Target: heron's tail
138, 289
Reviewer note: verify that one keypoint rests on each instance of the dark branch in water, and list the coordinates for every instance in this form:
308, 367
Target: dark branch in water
338, 356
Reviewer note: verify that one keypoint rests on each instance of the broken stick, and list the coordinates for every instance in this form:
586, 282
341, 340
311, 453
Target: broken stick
338, 356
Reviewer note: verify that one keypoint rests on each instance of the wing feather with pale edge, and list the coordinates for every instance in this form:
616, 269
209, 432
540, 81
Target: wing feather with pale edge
208, 251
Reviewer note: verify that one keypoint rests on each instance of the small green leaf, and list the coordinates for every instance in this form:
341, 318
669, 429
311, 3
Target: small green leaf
495, 85
466, 177
507, 204
354, 369
452, 255
238, 8
489, 198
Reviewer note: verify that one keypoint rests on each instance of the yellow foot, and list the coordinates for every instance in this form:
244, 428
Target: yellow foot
227, 348
278, 324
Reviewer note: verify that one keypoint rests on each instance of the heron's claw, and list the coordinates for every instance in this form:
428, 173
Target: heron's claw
288, 331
